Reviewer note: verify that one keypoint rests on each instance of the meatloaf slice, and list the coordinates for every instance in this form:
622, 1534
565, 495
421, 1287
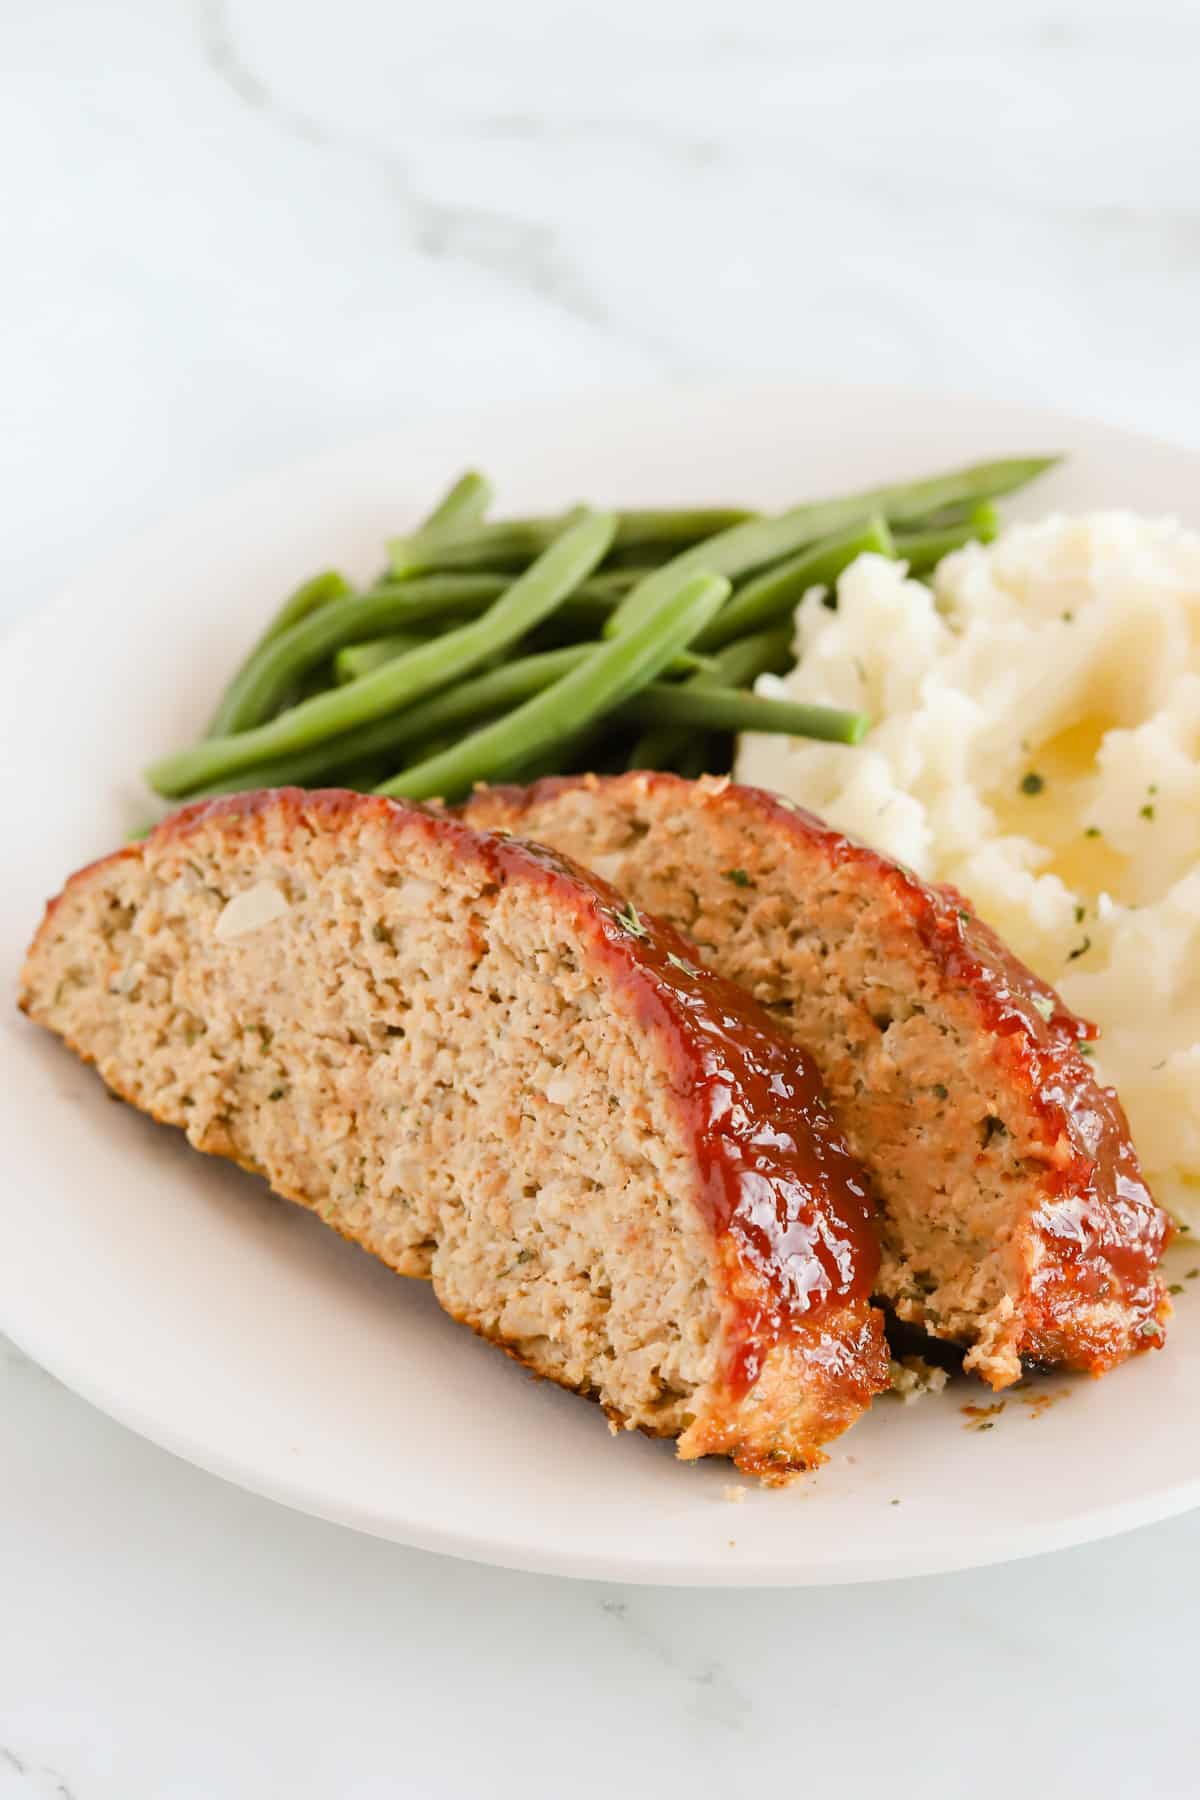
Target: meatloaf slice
1014, 1216
490, 1070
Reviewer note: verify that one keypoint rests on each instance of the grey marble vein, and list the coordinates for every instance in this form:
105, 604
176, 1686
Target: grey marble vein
38, 1779
522, 253
713, 1695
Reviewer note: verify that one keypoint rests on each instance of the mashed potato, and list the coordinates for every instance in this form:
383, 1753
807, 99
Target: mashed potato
1037, 743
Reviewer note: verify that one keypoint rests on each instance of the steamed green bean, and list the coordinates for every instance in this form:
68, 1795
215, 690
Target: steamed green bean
514, 541
746, 547
310, 597
924, 550
354, 660
530, 598
774, 594
609, 675
731, 709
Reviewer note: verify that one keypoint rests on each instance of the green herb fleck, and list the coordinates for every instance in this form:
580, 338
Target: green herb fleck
631, 921
941, 1090
1093, 831
1191, 1274
1067, 617
678, 962
738, 877
1153, 788
1080, 949
1147, 811
1086, 1049
276, 1093
993, 1128
1176, 1287
893, 1503
1033, 783
964, 915
1151, 1329
1080, 914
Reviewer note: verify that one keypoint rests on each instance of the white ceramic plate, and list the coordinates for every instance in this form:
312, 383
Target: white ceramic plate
232, 1328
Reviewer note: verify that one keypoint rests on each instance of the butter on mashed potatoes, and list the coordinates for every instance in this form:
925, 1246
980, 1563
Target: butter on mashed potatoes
1037, 743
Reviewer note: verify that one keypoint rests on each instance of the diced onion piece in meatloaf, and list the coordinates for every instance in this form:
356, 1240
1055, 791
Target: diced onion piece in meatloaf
1014, 1217
490, 1070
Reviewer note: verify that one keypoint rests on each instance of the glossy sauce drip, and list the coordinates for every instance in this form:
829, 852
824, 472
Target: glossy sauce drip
1102, 1231
1099, 1217
779, 1185
1099, 1221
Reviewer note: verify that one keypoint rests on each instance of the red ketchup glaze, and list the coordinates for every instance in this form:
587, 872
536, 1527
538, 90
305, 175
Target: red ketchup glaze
1103, 1230
779, 1183
779, 1186
1099, 1218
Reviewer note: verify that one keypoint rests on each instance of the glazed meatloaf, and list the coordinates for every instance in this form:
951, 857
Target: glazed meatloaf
1014, 1218
492, 1071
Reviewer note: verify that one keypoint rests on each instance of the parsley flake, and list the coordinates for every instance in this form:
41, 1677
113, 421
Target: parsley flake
1176, 1287
677, 962
1092, 831
1147, 811
1033, 783
1080, 914
631, 921
1086, 1049
1080, 949
738, 877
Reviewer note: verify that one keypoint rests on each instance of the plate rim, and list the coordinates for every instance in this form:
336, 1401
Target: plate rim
989, 1547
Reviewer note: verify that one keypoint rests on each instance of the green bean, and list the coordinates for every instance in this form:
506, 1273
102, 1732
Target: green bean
619, 581
924, 550
744, 548
464, 504
514, 541
531, 598
310, 597
271, 674
731, 709
354, 660
443, 714
763, 653
774, 594
609, 675
664, 746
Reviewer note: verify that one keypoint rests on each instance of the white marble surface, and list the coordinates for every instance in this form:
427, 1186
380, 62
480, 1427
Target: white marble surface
239, 233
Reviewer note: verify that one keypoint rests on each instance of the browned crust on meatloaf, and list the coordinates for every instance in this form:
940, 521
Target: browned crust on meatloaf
1024, 1228
798, 1350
